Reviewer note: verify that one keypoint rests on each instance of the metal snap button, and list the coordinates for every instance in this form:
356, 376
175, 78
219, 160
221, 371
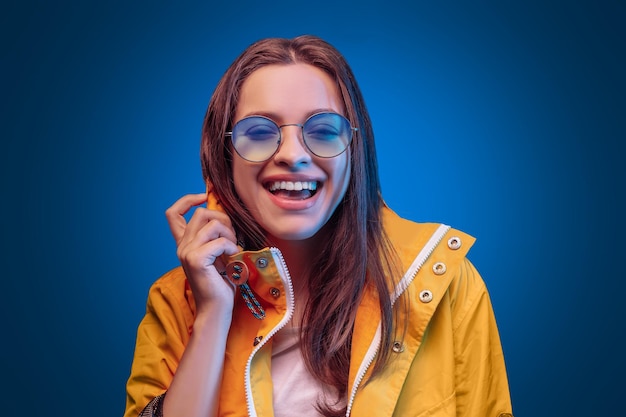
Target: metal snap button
454, 242
275, 292
397, 347
439, 268
261, 262
426, 296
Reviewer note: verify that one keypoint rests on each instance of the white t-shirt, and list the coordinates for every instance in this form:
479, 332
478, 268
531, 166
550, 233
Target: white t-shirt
296, 392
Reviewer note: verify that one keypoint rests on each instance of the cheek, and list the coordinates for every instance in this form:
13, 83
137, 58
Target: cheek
244, 179
341, 175
347, 173
236, 175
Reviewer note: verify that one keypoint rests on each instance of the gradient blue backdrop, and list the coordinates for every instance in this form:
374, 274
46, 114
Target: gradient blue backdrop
504, 119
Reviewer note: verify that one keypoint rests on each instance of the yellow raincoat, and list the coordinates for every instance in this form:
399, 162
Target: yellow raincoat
449, 362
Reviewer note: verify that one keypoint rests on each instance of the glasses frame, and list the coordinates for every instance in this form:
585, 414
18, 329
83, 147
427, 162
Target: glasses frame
229, 134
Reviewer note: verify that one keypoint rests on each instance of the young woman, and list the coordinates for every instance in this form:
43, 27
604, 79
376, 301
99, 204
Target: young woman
300, 293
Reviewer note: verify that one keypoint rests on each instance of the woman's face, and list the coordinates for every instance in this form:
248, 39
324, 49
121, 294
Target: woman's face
290, 94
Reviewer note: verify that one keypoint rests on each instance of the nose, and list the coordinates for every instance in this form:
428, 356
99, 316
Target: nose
292, 151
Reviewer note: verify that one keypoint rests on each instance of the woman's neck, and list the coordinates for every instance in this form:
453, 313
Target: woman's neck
299, 256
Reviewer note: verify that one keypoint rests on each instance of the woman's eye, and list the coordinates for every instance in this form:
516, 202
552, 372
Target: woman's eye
261, 132
322, 132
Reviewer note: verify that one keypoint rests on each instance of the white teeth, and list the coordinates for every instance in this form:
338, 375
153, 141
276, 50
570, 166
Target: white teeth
293, 185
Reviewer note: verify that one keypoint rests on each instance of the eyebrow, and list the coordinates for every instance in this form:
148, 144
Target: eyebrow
276, 118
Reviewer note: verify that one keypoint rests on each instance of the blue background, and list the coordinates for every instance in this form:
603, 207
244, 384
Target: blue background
504, 119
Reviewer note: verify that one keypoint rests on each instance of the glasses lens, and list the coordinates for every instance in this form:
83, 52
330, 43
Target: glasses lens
327, 134
255, 138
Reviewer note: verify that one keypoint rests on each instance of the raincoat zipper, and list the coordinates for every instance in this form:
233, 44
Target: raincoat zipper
286, 278
404, 283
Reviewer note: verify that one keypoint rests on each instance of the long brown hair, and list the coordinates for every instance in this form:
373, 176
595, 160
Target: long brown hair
358, 253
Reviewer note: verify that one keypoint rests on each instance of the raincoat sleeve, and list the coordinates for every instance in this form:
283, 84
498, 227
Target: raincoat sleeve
481, 381
162, 336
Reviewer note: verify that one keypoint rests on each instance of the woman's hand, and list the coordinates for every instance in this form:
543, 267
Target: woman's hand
194, 390
200, 244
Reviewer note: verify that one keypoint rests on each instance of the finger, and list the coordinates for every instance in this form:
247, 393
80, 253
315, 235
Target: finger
202, 216
176, 212
212, 230
207, 257
215, 229
202, 266
222, 260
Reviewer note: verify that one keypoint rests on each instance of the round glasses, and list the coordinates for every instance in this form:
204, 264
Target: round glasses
257, 138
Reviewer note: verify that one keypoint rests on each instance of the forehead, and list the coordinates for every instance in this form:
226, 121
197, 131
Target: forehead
288, 93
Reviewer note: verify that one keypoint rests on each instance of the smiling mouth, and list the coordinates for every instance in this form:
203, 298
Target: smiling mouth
295, 190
